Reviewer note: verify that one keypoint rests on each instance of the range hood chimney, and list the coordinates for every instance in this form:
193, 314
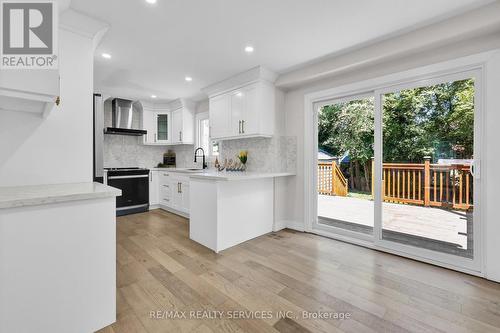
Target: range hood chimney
122, 116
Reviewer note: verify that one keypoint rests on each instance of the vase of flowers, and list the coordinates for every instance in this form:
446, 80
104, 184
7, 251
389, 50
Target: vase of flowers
243, 157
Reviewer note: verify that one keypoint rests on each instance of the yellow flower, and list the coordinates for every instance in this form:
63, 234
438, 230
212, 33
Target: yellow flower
243, 156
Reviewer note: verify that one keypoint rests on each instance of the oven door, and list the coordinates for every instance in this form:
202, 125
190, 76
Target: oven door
135, 191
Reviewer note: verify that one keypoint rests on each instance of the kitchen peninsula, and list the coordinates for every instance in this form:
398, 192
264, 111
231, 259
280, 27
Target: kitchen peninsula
229, 208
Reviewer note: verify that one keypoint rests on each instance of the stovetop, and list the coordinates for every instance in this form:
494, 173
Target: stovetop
125, 169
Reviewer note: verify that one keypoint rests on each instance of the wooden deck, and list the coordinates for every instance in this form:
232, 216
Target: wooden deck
436, 226
160, 268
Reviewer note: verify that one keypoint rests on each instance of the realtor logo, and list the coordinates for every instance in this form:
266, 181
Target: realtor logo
28, 35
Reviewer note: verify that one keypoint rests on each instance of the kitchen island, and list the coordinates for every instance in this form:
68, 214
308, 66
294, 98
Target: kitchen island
57, 257
228, 208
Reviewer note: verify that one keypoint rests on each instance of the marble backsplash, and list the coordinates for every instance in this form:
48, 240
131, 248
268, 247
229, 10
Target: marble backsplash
128, 151
277, 154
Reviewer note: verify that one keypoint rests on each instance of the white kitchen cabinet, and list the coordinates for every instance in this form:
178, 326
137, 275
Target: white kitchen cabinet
220, 116
244, 112
168, 124
243, 105
177, 126
153, 188
180, 194
174, 192
157, 123
182, 122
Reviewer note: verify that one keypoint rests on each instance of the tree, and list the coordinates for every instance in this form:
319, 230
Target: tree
435, 121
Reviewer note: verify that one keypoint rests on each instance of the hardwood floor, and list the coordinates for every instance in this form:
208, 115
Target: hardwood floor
160, 269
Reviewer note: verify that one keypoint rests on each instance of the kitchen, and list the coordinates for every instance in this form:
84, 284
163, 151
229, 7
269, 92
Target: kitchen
166, 163
153, 153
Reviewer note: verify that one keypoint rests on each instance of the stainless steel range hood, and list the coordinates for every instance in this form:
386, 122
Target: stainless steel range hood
122, 116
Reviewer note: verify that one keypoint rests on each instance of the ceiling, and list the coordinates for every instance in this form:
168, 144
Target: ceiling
153, 47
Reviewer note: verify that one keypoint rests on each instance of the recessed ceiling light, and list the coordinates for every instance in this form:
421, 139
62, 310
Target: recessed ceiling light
153, 96
188, 78
106, 56
151, 1
249, 49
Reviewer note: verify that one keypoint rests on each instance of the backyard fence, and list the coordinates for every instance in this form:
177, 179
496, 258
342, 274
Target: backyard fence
425, 184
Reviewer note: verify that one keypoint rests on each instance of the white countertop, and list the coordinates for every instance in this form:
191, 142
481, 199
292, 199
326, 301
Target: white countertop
211, 174
21, 196
179, 170
238, 175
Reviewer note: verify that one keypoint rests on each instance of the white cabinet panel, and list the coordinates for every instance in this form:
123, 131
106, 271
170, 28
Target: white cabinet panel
250, 118
220, 117
237, 106
185, 197
153, 188
148, 124
177, 126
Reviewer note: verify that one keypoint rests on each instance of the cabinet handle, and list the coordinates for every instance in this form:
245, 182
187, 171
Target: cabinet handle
166, 199
239, 127
165, 185
243, 126
180, 187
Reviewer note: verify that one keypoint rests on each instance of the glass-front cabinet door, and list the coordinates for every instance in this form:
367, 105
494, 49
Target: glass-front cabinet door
162, 127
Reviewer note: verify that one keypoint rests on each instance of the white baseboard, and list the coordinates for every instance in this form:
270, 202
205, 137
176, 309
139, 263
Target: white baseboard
174, 211
294, 225
279, 225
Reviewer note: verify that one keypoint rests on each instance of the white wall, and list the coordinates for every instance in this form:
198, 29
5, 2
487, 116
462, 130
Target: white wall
294, 104
57, 149
490, 170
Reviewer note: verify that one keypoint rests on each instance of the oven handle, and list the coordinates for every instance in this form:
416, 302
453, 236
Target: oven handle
126, 177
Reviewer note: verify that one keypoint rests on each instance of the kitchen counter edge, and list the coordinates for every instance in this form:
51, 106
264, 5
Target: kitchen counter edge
36, 195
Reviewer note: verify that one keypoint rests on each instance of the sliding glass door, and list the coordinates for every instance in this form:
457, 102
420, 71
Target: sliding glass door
428, 154
344, 165
399, 167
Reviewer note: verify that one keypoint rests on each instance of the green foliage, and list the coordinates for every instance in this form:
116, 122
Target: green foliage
435, 121
348, 127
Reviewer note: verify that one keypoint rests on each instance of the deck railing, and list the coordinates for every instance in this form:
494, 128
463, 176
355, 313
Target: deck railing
424, 184
427, 184
331, 181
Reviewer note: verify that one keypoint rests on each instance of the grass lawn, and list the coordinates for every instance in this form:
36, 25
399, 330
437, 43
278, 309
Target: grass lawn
360, 195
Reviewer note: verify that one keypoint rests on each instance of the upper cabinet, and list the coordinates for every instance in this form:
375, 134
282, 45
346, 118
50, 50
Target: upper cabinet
243, 106
34, 91
168, 124
182, 121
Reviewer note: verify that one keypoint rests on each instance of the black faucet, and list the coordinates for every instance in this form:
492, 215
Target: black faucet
195, 156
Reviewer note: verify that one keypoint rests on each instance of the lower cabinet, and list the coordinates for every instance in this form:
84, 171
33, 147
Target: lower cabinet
174, 191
